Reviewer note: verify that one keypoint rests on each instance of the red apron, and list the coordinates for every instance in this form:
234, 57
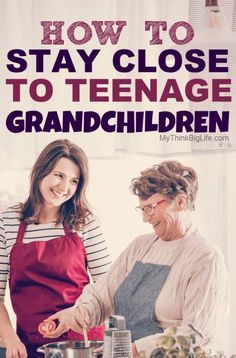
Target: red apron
46, 277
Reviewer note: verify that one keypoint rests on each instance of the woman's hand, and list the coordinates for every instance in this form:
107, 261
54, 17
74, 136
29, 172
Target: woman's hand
16, 349
64, 318
80, 319
70, 318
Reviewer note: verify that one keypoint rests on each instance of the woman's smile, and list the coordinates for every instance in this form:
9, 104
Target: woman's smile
58, 194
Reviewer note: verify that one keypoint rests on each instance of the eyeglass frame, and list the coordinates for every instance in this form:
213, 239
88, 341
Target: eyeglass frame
151, 206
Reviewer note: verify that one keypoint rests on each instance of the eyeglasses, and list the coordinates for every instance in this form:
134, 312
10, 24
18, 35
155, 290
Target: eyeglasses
149, 209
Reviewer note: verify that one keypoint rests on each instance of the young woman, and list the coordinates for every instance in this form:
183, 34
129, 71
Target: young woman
46, 244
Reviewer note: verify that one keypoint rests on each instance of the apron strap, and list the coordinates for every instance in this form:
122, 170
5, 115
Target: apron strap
21, 232
22, 229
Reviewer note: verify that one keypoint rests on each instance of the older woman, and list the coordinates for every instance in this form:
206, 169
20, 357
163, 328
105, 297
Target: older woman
171, 277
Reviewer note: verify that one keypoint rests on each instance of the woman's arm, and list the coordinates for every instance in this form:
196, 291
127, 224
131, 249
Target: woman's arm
4, 260
12, 342
15, 348
96, 303
98, 257
206, 298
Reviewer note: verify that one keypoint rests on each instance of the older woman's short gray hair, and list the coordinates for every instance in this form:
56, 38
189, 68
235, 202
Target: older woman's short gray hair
168, 178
